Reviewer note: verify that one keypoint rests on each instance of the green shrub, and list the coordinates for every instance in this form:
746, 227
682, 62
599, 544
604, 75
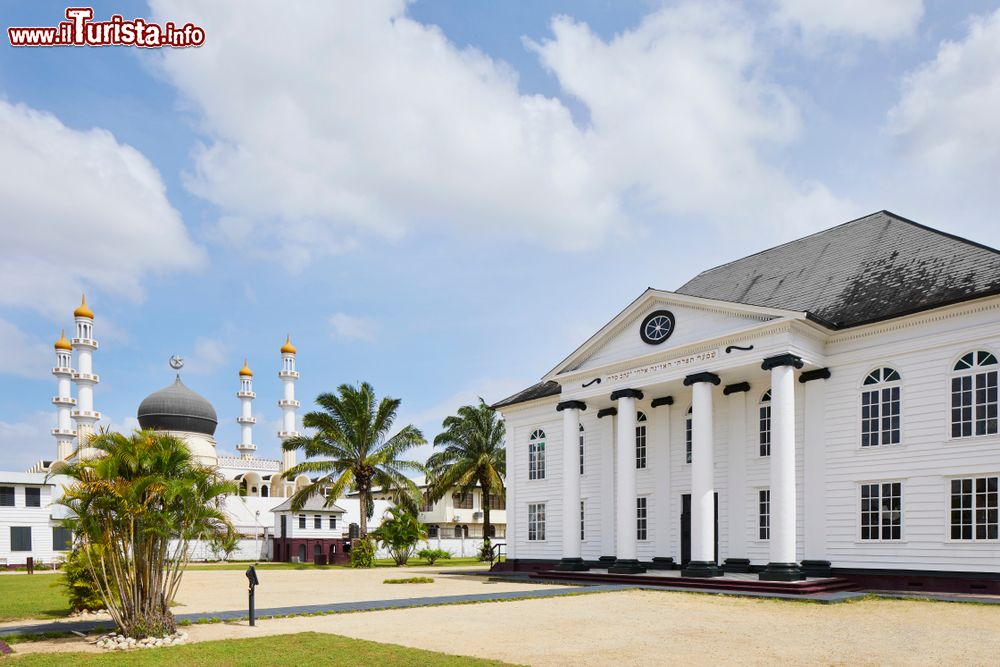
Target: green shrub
486, 551
433, 555
363, 552
399, 533
410, 580
81, 587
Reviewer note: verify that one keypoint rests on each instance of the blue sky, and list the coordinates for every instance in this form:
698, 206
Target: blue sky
446, 198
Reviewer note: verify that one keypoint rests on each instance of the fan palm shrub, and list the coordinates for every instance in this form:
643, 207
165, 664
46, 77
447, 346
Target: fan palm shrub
472, 454
353, 450
134, 509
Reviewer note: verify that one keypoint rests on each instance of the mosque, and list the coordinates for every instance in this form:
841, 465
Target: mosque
176, 409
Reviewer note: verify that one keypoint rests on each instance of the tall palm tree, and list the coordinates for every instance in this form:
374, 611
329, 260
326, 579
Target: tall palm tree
472, 455
142, 499
352, 436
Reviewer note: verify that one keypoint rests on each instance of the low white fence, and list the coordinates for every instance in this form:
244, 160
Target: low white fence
247, 549
458, 548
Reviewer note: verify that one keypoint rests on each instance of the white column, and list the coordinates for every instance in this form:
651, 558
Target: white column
814, 499
571, 547
702, 477
606, 447
625, 506
246, 420
783, 565
661, 496
736, 493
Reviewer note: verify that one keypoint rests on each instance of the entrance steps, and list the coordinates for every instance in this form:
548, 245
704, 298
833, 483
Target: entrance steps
743, 584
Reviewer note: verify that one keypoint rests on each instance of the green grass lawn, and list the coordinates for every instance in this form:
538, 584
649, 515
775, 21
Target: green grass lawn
307, 648
414, 562
31, 596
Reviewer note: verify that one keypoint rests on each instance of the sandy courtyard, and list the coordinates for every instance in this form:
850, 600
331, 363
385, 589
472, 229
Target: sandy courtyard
656, 628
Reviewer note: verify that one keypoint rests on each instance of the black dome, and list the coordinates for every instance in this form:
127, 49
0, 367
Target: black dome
177, 408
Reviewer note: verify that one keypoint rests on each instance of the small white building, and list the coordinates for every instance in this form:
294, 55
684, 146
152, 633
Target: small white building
29, 526
827, 405
317, 530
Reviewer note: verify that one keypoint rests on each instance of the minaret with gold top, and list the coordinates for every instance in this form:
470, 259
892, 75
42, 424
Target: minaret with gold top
84, 345
246, 420
288, 404
64, 432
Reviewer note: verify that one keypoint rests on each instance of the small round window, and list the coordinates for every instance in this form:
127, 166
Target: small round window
657, 327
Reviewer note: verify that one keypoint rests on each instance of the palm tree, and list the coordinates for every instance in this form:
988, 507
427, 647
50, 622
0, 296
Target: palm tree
141, 501
473, 455
352, 434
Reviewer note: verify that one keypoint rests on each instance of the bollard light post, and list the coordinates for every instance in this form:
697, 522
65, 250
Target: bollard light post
252, 582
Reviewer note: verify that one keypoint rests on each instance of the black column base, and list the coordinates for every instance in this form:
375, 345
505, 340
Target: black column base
782, 572
606, 561
662, 563
817, 568
736, 565
626, 566
571, 565
702, 569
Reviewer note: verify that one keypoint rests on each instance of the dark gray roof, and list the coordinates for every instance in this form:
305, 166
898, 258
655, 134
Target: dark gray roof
869, 269
874, 268
177, 408
315, 503
540, 390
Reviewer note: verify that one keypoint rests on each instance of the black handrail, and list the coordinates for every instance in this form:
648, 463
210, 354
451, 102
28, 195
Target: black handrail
496, 557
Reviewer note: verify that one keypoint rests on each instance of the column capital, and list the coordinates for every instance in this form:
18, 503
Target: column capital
607, 412
571, 405
663, 400
735, 388
816, 374
701, 377
626, 393
787, 359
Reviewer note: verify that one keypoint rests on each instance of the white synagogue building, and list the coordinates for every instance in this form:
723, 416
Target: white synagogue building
827, 406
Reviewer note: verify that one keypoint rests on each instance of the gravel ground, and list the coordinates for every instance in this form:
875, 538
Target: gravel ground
656, 628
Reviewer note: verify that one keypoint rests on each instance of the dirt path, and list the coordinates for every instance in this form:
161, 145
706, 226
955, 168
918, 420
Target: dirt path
656, 628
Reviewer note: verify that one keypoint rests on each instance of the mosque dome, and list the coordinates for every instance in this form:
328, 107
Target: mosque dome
245, 371
62, 343
82, 310
177, 408
288, 348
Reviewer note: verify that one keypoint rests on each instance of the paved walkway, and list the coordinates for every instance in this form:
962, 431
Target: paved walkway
339, 607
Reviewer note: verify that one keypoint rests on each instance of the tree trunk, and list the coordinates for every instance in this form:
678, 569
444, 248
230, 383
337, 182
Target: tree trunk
363, 499
486, 513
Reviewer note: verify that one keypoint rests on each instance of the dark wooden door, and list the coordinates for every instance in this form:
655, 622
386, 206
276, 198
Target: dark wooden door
686, 528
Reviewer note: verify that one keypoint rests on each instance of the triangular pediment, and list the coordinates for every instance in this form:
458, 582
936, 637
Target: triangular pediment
689, 320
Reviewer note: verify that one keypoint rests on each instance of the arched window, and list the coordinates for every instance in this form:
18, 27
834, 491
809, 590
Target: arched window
458, 532
687, 436
264, 492
536, 454
640, 440
974, 395
880, 408
581, 449
764, 423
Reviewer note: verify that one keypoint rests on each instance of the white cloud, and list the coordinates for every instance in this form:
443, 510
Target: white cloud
80, 210
948, 118
209, 355
25, 442
682, 116
881, 21
369, 122
349, 327
24, 356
